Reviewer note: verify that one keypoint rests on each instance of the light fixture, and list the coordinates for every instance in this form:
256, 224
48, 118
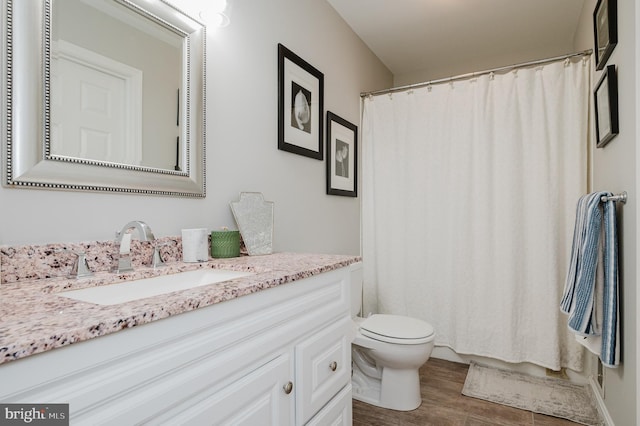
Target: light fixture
216, 13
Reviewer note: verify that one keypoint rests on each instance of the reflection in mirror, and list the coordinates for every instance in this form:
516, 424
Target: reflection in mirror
115, 80
103, 95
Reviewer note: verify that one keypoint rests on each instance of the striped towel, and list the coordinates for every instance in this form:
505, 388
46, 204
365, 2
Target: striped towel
579, 299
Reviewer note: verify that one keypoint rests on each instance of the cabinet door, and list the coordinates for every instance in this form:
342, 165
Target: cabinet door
256, 399
323, 368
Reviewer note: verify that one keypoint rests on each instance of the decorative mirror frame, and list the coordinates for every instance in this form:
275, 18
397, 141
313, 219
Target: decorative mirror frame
26, 97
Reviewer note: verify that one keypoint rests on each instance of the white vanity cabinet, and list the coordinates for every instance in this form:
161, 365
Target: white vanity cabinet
276, 357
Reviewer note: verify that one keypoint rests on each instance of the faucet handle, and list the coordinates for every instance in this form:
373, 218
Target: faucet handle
80, 267
156, 260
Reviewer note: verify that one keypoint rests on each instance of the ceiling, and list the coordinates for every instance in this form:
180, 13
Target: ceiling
435, 37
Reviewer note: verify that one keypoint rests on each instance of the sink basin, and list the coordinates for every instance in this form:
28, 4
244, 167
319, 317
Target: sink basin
113, 294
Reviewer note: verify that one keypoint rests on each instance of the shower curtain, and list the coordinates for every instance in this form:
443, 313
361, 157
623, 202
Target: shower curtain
469, 193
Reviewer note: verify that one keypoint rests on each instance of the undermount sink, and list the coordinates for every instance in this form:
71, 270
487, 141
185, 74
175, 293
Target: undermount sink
113, 294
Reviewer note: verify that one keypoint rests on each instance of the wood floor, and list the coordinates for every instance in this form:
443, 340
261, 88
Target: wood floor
443, 404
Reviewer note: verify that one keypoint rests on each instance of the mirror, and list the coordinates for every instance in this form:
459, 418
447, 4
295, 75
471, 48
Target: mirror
104, 95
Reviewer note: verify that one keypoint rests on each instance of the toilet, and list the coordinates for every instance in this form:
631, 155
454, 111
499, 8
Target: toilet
387, 352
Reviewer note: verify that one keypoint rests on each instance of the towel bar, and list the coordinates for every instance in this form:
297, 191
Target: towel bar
622, 197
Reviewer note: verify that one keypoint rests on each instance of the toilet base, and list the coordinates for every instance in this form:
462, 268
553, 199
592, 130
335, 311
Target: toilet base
395, 389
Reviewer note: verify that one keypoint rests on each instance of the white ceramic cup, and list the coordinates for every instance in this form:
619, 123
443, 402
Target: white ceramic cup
195, 245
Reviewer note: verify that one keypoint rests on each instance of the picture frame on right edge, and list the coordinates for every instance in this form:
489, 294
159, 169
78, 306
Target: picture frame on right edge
342, 156
605, 30
605, 98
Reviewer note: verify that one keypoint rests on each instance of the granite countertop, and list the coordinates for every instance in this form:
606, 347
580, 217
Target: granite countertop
34, 319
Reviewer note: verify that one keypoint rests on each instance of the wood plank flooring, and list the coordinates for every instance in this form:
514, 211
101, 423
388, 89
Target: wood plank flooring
444, 405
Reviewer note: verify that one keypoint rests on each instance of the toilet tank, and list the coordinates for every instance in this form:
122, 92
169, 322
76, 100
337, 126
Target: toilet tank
356, 288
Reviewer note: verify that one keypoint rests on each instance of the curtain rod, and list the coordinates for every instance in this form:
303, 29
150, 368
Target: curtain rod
475, 74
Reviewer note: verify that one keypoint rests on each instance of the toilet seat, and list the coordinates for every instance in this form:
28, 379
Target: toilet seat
397, 329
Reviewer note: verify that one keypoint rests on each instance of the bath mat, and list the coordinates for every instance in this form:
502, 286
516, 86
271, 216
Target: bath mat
553, 397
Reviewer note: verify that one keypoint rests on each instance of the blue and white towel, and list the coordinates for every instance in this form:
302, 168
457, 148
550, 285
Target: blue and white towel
590, 315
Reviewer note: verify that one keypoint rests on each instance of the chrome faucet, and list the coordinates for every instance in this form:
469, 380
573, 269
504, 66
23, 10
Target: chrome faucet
123, 257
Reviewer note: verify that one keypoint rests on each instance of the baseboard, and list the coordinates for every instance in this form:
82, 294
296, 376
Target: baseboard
602, 409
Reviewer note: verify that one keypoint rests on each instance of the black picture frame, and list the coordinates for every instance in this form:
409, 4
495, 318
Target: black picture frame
300, 105
605, 30
605, 97
342, 156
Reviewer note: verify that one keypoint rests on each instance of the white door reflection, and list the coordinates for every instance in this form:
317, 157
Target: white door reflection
115, 95
96, 106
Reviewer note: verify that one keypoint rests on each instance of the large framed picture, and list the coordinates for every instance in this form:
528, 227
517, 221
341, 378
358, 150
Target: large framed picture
605, 30
606, 106
300, 105
342, 156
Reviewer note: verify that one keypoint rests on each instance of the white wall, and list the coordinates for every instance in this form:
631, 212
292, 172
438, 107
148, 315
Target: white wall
241, 141
614, 169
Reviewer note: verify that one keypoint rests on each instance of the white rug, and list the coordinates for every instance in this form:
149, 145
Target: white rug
553, 397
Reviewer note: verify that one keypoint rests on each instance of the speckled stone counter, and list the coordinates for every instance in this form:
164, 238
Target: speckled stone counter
34, 319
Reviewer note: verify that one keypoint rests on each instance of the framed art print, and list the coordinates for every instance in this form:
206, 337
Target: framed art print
605, 30
342, 156
606, 107
300, 105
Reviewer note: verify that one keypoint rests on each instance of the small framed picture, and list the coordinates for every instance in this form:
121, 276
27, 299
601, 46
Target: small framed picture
300, 105
342, 156
606, 106
605, 30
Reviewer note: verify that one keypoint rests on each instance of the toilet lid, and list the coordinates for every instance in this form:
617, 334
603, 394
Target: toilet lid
396, 329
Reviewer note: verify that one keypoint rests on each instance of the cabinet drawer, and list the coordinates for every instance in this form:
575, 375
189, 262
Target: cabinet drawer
337, 412
323, 367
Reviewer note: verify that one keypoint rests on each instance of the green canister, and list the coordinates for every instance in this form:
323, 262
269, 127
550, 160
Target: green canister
225, 243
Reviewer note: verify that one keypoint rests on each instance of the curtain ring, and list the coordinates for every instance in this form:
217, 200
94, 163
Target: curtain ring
492, 76
429, 87
566, 62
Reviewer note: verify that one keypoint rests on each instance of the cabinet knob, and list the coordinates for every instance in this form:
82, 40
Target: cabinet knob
288, 388
333, 366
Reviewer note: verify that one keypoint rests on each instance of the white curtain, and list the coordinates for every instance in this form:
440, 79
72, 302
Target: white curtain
469, 195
